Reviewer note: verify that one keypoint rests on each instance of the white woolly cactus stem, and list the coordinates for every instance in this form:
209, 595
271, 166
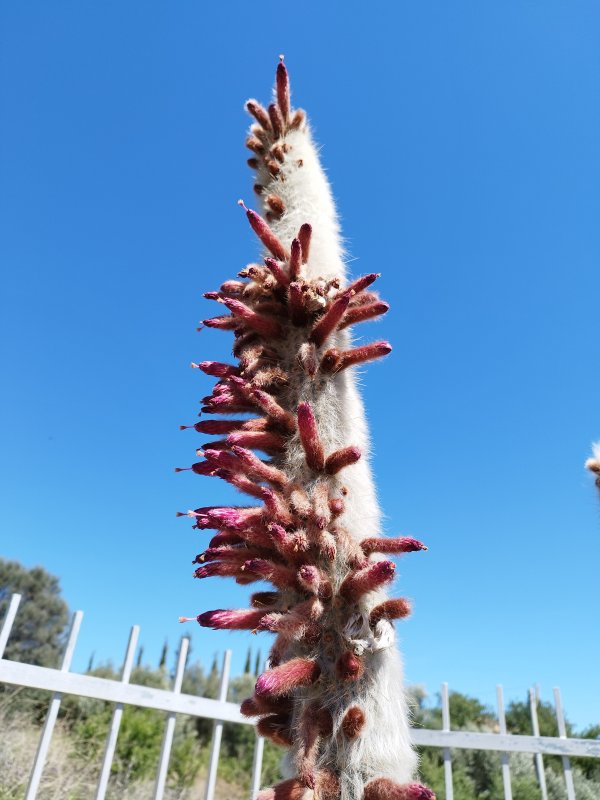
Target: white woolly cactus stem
333, 693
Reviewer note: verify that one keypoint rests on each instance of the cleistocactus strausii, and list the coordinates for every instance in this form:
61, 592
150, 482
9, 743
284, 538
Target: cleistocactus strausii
593, 464
333, 693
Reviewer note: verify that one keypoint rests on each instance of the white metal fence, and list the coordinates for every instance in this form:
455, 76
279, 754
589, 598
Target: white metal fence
62, 681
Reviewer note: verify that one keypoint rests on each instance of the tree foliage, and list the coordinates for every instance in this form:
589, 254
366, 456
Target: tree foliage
38, 634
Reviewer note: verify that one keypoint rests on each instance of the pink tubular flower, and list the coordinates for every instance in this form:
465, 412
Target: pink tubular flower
360, 284
353, 722
257, 536
400, 544
236, 518
295, 259
222, 459
258, 468
266, 326
203, 468
336, 506
241, 482
364, 313
300, 502
276, 727
266, 794
304, 237
220, 426
283, 541
276, 574
276, 506
384, 789
309, 437
264, 599
265, 234
399, 608
330, 360
242, 619
271, 407
294, 623
220, 569
232, 554
327, 545
225, 538
321, 511
360, 355
341, 458
217, 369
224, 323
226, 402
330, 319
361, 581
286, 677
314, 581
314, 722
282, 84
298, 313
278, 272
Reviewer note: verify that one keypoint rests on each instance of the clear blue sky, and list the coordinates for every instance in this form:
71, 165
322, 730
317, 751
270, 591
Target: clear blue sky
462, 141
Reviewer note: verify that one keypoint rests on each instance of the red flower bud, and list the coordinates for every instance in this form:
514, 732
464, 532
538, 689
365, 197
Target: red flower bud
361, 581
341, 458
286, 677
398, 608
330, 319
349, 667
353, 722
400, 544
309, 437
242, 619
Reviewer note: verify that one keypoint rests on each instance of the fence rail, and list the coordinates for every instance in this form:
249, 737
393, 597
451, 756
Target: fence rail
62, 681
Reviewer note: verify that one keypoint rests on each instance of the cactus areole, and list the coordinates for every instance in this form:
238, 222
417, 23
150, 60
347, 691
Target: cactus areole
333, 693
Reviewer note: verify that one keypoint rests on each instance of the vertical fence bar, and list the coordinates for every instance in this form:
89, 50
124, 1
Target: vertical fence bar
257, 766
165, 750
562, 732
215, 745
447, 754
257, 759
503, 756
539, 761
111, 741
11, 613
44, 743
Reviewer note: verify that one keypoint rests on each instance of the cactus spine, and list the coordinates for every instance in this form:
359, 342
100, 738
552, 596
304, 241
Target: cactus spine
333, 693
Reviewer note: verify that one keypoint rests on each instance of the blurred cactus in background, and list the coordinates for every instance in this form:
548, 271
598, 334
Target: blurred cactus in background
593, 464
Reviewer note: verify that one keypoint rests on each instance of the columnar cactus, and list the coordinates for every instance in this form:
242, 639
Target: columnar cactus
333, 693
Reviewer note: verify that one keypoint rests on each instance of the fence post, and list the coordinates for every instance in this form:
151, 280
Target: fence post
11, 613
539, 761
44, 743
257, 760
447, 754
165, 750
503, 756
562, 732
111, 741
215, 745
